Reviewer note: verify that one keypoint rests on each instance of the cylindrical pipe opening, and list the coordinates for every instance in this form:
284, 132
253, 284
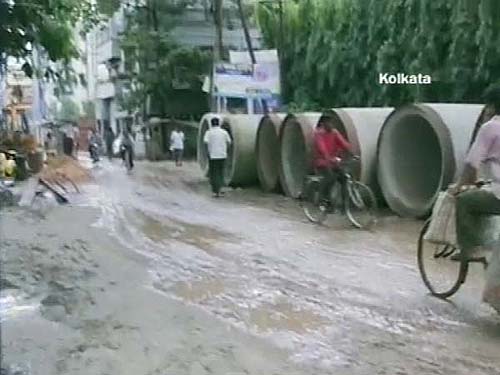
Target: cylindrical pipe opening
296, 147
411, 163
268, 152
231, 153
240, 167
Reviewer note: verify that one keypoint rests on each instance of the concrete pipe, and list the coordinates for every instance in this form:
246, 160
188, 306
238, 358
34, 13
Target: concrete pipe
202, 154
421, 150
267, 151
361, 127
241, 165
296, 137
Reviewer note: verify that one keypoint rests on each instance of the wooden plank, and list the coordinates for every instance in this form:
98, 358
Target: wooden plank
59, 194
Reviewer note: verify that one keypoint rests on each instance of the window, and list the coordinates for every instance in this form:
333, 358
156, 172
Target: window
236, 105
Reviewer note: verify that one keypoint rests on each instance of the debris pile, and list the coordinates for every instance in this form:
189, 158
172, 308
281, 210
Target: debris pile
62, 170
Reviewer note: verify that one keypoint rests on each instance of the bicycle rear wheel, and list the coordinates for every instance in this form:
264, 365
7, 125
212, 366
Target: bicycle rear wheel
310, 202
361, 205
442, 276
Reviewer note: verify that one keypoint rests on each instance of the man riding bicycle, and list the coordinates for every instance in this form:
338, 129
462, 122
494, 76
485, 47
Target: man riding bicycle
472, 204
329, 146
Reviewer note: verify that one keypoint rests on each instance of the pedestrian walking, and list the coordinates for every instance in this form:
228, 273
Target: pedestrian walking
177, 145
217, 141
109, 138
50, 143
76, 140
127, 145
68, 144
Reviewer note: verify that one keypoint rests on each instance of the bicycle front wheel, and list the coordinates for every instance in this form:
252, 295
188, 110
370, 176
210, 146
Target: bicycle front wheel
310, 201
361, 205
441, 275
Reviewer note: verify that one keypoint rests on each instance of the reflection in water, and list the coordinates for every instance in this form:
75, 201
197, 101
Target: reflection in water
202, 237
198, 290
11, 306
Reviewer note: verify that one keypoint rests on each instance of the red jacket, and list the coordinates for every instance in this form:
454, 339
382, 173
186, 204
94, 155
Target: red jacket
327, 146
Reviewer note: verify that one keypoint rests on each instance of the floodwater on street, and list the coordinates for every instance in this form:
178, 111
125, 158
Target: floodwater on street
333, 296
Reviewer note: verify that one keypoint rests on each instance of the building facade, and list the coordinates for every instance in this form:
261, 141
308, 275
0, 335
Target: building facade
104, 62
105, 59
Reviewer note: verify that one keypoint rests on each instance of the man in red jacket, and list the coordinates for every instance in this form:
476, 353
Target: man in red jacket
329, 146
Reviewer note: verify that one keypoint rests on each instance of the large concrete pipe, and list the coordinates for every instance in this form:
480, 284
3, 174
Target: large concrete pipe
421, 150
241, 165
202, 154
267, 151
361, 127
296, 138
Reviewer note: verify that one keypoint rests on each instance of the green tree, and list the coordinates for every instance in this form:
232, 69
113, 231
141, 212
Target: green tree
333, 50
157, 69
45, 23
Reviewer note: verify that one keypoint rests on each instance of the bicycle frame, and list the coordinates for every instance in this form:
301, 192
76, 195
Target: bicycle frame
344, 181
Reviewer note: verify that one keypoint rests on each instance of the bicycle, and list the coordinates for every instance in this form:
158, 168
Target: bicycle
352, 198
433, 258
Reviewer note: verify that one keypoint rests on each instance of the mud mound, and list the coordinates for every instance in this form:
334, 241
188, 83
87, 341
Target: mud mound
64, 167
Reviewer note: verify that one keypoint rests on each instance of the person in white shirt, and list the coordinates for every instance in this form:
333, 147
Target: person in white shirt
217, 141
177, 145
475, 203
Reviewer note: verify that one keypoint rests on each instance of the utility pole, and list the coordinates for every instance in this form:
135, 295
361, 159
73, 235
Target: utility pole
247, 33
280, 42
218, 20
218, 48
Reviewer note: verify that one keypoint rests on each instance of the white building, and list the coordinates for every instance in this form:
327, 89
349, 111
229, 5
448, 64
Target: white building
195, 28
104, 65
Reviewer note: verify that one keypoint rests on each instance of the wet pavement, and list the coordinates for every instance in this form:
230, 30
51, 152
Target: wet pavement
337, 299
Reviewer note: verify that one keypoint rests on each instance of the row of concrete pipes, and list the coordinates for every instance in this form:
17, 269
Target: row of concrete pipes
407, 155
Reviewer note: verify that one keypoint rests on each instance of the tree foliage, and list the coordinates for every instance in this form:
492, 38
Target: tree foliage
45, 23
334, 50
156, 67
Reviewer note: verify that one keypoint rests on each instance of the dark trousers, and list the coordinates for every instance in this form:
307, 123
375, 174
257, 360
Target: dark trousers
130, 151
68, 146
329, 176
109, 149
178, 155
216, 174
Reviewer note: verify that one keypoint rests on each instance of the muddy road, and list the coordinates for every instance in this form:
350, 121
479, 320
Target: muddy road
291, 296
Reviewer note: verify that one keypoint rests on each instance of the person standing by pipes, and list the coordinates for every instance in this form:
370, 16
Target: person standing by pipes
217, 141
329, 146
177, 145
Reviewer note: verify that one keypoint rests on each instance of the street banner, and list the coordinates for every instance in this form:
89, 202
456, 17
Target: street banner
245, 79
